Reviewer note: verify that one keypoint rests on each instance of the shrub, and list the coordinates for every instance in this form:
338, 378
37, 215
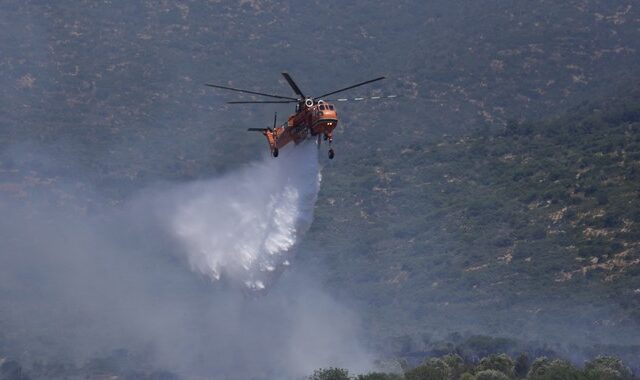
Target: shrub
538, 368
330, 374
432, 369
491, 374
455, 363
501, 363
607, 368
379, 376
545, 369
602, 198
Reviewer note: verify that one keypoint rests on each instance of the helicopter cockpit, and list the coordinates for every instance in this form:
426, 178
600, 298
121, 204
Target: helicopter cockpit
325, 106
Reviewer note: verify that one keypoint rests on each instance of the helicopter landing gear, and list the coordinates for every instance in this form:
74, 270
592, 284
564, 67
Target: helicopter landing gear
275, 152
329, 137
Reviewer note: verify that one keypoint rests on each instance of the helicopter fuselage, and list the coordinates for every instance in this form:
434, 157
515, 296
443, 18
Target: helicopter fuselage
320, 119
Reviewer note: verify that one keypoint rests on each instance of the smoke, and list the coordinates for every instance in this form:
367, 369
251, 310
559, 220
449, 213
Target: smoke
77, 285
244, 224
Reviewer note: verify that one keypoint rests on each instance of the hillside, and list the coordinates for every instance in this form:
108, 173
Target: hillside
115, 95
118, 89
528, 230
497, 195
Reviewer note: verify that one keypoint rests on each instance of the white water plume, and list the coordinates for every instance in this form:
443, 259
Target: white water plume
242, 226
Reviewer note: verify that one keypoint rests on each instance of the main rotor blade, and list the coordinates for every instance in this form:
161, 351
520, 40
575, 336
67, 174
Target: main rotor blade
293, 85
349, 88
357, 99
263, 102
250, 92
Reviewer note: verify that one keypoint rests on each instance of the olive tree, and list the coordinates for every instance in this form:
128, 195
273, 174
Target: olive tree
432, 369
502, 363
491, 374
607, 368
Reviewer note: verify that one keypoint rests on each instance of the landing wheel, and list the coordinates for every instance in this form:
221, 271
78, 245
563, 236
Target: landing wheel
275, 152
331, 154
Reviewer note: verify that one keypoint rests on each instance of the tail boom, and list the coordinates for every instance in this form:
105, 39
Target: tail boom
270, 134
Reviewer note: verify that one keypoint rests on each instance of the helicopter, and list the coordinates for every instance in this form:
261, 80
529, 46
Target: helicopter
314, 117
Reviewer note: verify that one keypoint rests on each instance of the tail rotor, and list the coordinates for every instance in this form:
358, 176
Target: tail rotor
270, 134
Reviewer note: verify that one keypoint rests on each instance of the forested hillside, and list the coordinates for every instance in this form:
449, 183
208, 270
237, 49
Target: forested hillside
495, 204
118, 89
531, 230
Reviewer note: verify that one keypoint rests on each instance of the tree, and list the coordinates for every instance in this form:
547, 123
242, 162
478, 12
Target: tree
491, 374
432, 369
538, 368
544, 369
380, 376
502, 363
607, 368
455, 363
330, 374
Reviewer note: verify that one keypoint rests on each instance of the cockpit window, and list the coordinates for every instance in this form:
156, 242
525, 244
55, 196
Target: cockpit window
330, 107
322, 108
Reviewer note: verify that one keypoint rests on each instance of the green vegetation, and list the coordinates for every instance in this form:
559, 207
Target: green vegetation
531, 229
545, 369
330, 374
527, 216
435, 369
607, 368
500, 363
516, 223
380, 376
601, 368
447, 367
490, 374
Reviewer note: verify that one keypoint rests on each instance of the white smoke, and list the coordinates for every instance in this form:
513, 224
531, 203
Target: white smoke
242, 226
109, 280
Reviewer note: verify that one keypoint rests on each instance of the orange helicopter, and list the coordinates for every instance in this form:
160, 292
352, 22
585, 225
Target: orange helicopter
313, 117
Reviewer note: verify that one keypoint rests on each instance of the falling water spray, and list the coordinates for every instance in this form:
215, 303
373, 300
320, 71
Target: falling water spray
242, 226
